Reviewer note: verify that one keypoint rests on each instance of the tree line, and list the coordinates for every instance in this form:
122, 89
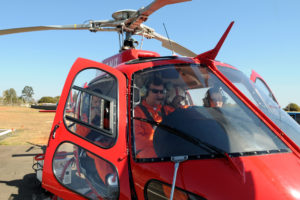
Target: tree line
10, 97
292, 107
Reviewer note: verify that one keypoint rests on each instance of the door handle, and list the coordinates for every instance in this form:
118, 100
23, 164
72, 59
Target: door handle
54, 131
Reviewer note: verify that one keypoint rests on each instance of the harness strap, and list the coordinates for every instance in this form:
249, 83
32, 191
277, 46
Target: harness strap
163, 112
146, 112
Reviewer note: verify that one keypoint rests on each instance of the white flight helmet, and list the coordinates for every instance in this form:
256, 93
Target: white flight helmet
175, 92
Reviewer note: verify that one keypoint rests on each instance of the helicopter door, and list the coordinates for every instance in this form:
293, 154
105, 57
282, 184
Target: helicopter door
260, 83
87, 152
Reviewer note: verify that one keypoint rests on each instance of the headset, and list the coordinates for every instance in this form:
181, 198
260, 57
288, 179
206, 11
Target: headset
144, 91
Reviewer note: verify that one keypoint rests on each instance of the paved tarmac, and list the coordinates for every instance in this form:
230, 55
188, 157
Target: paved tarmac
17, 178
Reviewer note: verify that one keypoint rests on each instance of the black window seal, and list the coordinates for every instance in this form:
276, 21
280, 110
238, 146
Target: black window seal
106, 132
148, 59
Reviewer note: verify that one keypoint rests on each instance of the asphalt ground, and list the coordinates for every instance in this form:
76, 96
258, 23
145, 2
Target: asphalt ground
17, 178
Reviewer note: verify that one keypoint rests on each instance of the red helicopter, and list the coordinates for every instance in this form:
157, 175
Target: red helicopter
142, 126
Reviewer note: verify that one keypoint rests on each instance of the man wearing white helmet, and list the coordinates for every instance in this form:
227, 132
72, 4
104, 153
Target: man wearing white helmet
176, 97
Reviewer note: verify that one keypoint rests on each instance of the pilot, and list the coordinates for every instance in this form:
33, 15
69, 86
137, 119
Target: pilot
153, 111
213, 98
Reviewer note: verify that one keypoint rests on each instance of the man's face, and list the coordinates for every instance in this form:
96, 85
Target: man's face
95, 104
156, 95
216, 100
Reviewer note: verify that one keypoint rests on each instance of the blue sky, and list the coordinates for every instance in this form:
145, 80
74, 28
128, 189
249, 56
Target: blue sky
265, 37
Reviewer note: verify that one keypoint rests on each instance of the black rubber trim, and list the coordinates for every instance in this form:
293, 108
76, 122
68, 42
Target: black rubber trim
212, 156
149, 59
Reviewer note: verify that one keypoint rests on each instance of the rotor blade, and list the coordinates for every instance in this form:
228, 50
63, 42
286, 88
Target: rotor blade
157, 4
44, 28
170, 44
143, 13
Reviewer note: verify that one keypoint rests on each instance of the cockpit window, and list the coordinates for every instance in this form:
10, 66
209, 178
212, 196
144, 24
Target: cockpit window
91, 107
263, 99
260, 84
186, 110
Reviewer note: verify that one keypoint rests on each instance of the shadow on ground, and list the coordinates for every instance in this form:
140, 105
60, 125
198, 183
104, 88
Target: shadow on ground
16, 180
29, 188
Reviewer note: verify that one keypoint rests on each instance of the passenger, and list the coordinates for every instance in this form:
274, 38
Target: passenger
152, 110
95, 111
213, 98
177, 98
95, 169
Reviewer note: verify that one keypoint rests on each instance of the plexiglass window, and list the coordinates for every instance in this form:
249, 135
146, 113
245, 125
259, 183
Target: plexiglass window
262, 86
186, 110
91, 108
263, 99
85, 173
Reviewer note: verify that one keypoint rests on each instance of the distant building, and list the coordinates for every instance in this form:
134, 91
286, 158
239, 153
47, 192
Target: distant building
295, 116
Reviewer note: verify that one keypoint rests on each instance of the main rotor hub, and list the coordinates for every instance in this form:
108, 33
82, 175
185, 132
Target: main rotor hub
123, 14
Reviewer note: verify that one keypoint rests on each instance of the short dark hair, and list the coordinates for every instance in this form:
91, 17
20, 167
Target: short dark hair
155, 81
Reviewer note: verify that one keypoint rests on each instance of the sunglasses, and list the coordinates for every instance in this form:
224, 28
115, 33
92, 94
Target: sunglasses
220, 99
155, 91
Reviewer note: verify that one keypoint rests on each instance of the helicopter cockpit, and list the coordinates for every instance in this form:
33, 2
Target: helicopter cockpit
195, 129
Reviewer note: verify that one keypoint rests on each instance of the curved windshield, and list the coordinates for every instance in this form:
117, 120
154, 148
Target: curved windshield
265, 102
186, 110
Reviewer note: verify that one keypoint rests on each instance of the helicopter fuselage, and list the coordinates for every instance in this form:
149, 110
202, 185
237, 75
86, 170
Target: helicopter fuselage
233, 152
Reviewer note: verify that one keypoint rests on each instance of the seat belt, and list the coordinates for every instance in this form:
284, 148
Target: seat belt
149, 116
146, 112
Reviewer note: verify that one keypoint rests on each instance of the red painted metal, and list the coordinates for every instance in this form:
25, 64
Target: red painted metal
266, 177
212, 54
128, 55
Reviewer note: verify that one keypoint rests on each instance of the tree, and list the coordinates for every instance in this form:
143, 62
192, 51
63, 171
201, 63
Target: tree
56, 99
292, 107
10, 96
27, 93
47, 100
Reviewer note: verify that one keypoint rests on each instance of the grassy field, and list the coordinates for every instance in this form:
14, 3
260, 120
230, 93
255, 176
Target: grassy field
29, 125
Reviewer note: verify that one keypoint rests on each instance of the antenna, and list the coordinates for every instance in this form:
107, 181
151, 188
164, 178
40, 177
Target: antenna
169, 39
142, 41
